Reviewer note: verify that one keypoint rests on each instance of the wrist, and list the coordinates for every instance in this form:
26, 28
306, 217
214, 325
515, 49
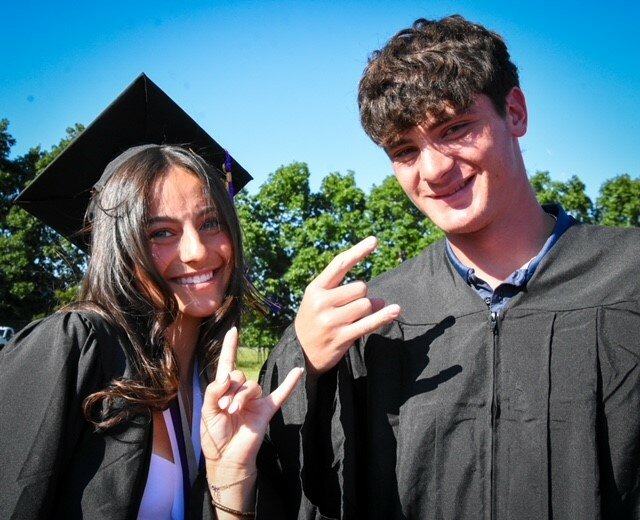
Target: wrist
226, 473
244, 484
233, 497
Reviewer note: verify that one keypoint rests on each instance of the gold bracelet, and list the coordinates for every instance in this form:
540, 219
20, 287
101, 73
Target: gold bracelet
247, 514
215, 497
215, 490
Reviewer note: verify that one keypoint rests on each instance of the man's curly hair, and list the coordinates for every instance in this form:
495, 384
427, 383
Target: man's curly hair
429, 68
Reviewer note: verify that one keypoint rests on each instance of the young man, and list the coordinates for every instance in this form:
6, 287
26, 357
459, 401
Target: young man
502, 380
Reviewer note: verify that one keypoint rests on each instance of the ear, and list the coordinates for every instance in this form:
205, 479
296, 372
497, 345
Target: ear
516, 112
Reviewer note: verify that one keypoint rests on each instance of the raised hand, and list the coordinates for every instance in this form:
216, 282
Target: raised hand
235, 415
332, 315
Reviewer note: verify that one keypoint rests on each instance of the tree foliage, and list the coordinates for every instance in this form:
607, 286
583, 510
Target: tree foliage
38, 269
401, 229
271, 220
570, 194
290, 234
619, 202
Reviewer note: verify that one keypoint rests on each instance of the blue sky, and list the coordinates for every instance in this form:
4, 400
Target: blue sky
275, 82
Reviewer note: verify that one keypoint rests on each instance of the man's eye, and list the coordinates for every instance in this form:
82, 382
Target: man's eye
403, 154
455, 130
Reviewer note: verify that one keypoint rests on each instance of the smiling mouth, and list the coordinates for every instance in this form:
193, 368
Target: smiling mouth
194, 279
454, 189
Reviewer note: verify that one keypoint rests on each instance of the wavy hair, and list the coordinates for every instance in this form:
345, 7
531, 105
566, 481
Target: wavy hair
429, 68
120, 256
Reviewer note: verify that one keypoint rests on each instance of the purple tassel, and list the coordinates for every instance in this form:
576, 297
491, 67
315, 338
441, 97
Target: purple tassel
274, 307
227, 170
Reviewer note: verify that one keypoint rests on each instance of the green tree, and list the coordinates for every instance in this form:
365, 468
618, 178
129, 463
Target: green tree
271, 221
337, 221
402, 230
38, 269
619, 202
570, 194
291, 234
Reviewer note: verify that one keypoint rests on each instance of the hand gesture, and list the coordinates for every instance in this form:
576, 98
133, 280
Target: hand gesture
234, 413
332, 315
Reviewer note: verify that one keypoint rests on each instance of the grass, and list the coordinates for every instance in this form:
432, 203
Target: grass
250, 360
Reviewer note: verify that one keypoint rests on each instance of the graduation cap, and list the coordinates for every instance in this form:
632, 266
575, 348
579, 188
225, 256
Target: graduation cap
142, 114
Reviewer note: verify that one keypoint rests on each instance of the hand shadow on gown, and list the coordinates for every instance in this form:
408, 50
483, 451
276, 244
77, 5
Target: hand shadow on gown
394, 367
417, 351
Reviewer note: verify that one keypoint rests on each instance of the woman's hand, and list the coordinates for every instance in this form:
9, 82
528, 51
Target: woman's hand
235, 415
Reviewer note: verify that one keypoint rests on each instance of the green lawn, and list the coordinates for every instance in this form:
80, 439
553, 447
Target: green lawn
250, 361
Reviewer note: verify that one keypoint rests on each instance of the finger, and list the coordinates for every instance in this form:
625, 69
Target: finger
214, 392
377, 304
337, 269
363, 307
331, 320
354, 311
282, 393
369, 323
228, 352
247, 392
347, 293
237, 379
335, 299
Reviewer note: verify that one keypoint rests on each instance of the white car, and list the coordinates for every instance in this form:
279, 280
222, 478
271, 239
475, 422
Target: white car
5, 335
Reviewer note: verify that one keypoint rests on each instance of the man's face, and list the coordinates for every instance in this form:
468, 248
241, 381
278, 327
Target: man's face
465, 172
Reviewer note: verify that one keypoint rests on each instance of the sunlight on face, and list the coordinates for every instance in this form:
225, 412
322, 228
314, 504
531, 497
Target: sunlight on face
190, 249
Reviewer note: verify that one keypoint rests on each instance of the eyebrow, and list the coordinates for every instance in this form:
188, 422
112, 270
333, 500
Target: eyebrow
166, 218
439, 122
395, 144
450, 117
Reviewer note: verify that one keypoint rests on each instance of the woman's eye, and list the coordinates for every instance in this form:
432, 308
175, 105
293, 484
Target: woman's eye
211, 224
159, 234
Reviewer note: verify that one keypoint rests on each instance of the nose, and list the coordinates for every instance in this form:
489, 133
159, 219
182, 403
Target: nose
434, 164
192, 248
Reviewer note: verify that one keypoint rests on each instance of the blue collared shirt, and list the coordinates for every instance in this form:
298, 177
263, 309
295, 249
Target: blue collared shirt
498, 298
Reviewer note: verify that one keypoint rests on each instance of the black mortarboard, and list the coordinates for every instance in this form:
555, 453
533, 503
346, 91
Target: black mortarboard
142, 114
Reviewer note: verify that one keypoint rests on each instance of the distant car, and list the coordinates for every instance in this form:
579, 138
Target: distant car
5, 335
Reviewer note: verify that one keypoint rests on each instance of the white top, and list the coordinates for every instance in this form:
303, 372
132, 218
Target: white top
163, 497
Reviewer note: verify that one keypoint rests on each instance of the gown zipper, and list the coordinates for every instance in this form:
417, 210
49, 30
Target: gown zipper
493, 324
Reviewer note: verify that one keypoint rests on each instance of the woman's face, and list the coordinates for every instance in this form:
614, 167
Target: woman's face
190, 250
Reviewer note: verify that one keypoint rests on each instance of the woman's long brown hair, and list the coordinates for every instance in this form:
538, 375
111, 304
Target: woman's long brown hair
120, 256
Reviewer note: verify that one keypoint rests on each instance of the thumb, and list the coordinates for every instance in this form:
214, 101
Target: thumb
282, 393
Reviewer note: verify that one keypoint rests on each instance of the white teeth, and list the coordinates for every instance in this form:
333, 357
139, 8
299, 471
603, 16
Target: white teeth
457, 188
199, 278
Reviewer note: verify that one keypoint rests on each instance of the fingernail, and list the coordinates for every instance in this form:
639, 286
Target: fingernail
233, 407
223, 402
370, 241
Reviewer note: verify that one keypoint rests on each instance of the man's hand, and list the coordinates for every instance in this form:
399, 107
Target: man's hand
332, 315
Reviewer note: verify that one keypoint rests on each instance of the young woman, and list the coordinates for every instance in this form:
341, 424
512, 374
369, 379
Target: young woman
101, 403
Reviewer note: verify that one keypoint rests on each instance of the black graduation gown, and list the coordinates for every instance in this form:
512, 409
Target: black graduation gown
448, 414
53, 464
